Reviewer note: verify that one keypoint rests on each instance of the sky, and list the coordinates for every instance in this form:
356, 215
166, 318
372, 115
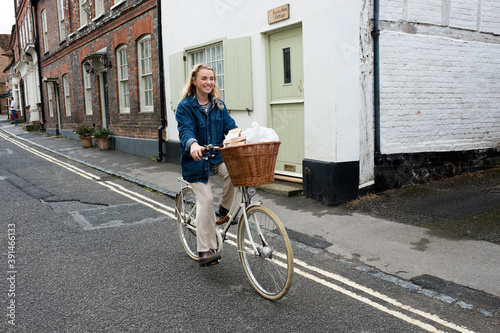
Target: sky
7, 16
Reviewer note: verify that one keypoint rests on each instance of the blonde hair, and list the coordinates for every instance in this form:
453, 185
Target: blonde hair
190, 89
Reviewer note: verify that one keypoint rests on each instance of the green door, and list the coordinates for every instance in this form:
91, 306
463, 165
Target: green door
287, 98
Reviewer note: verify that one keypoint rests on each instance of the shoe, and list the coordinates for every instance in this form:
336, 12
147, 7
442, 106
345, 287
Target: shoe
208, 258
222, 216
221, 220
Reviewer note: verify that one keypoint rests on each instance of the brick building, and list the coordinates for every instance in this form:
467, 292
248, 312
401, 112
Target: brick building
5, 60
77, 89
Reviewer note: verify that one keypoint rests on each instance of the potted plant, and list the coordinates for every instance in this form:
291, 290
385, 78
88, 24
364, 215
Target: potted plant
102, 138
85, 134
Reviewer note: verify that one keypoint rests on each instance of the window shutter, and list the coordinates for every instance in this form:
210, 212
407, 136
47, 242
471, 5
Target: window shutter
177, 77
238, 74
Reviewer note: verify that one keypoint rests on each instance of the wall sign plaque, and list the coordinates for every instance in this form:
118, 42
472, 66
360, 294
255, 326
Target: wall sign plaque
278, 14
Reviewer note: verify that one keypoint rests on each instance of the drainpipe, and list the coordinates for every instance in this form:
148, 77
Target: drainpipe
376, 77
37, 50
159, 158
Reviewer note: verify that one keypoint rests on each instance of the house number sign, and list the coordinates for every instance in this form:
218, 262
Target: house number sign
278, 14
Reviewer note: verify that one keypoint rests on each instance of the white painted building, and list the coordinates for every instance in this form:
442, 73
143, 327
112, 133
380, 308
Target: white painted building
308, 73
440, 87
25, 81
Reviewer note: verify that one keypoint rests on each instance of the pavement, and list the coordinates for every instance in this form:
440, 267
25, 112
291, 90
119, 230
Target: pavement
444, 266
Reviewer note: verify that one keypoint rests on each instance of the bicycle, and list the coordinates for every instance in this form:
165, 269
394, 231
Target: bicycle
263, 245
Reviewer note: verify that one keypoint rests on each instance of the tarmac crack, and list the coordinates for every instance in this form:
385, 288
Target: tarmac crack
71, 205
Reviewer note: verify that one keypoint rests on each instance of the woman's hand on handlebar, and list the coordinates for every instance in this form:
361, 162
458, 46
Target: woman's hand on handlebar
197, 151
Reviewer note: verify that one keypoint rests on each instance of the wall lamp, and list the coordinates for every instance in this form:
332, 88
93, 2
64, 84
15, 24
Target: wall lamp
87, 67
105, 61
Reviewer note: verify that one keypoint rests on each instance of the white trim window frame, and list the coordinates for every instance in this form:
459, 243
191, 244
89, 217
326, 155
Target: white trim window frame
213, 56
61, 20
30, 32
99, 8
145, 74
67, 99
44, 32
117, 3
83, 13
50, 98
26, 88
123, 80
87, 92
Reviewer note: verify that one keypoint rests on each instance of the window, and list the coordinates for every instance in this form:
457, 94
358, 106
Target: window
232, 61
213, 57
123, 87
30, 33
287, 70
99, 7
118, 2
83, 13
22, 35
67, 102
88, 92
51, 102
62, 22
17, 96
145, 74
26, 88
44, 32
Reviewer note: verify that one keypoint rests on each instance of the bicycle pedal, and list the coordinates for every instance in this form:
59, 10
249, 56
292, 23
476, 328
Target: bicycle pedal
206, 264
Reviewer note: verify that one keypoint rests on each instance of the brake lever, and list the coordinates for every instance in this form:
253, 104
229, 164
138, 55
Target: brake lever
208, 154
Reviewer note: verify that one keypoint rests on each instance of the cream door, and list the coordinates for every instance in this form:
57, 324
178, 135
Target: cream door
287, 98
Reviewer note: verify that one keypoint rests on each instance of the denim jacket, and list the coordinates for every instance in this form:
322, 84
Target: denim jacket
195, 126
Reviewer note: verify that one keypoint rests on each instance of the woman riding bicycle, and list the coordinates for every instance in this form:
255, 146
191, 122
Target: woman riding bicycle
202, 119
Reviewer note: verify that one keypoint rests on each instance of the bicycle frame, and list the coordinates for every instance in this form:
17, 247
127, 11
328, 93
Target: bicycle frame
238, 205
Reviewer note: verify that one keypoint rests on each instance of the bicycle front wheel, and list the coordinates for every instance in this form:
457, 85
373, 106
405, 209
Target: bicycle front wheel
186, 220
265, 252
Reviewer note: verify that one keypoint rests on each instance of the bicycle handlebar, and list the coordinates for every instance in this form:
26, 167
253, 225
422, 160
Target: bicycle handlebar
208, 151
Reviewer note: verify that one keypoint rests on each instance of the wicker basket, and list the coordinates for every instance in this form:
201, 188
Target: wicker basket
251, 164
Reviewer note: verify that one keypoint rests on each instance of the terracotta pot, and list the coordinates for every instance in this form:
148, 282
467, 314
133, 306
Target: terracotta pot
103, 144
86, 141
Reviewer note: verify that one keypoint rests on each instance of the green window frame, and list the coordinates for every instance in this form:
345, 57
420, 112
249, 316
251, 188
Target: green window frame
213, 56
235, 69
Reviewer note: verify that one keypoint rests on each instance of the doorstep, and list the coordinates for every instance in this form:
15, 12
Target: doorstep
282, 188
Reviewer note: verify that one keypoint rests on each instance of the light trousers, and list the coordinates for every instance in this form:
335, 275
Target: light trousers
205, 214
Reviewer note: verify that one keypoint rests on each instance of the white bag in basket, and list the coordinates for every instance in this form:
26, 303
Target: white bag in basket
256, 134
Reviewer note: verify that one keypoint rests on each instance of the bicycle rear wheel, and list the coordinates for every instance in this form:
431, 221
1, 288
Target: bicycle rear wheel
186, 221
270, 269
